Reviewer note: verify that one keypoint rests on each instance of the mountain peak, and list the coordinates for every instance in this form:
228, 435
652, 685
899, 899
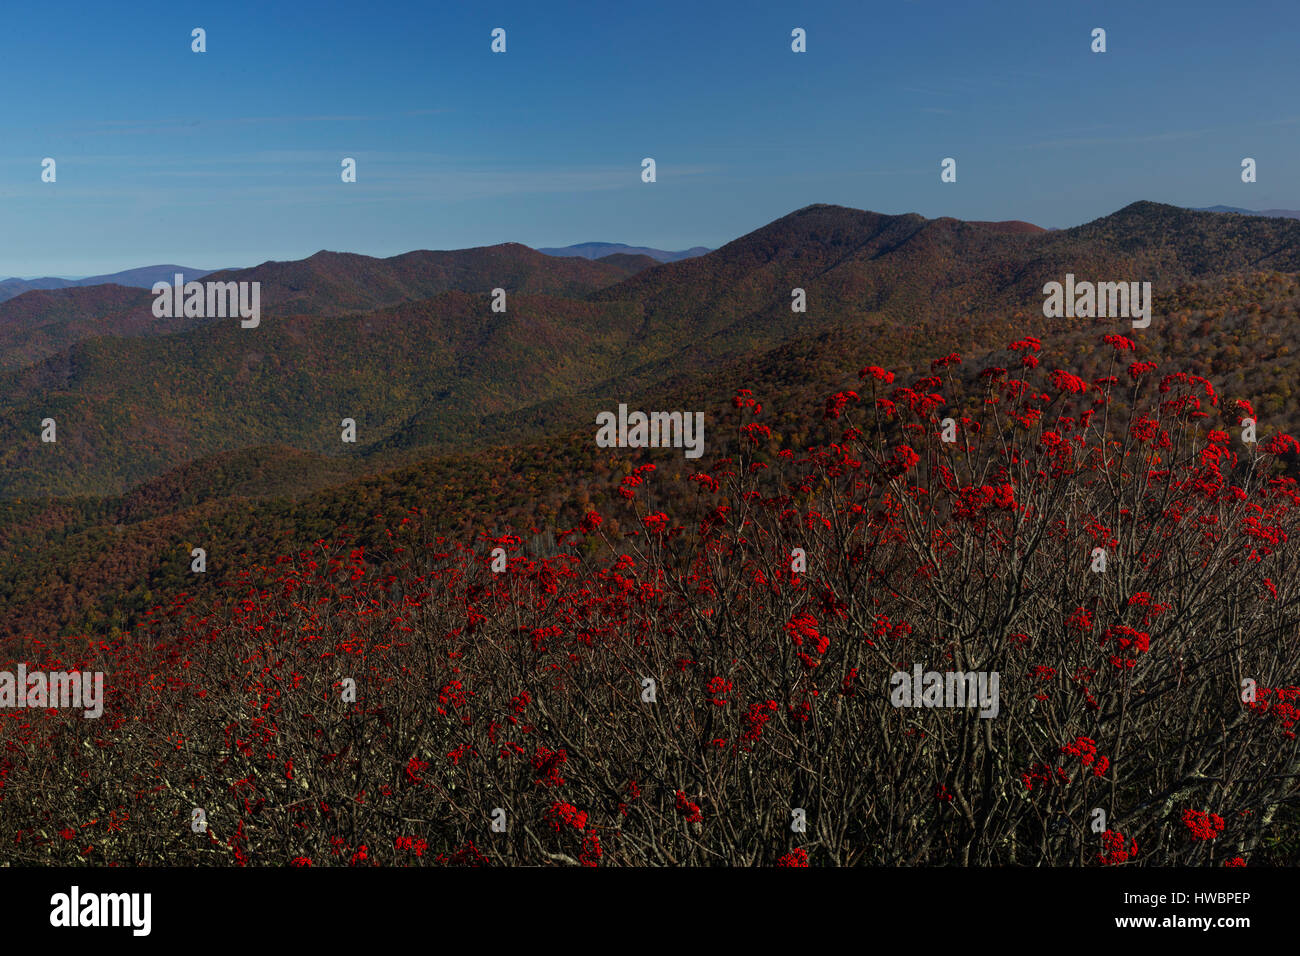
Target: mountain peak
141, 278
599, 250
1237, 210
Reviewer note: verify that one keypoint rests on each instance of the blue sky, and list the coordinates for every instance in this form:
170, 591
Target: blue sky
231, 157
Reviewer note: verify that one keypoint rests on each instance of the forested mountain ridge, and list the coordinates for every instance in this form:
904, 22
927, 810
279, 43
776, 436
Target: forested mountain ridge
231, 436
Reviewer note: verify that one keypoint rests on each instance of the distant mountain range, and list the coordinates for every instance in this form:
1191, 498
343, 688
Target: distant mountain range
599, 250
1274, 213
195, 429
409, 346
43, 322
618, 254
143, 277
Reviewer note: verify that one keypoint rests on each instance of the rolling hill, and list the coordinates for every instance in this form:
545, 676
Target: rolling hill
143, 277
231, 436
1237, 210
602, 250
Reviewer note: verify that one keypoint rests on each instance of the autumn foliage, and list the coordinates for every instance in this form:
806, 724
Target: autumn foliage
526, 691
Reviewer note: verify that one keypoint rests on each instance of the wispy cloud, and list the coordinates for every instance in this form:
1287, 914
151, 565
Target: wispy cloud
1070, 142
964, 85
149, 127
310, 178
